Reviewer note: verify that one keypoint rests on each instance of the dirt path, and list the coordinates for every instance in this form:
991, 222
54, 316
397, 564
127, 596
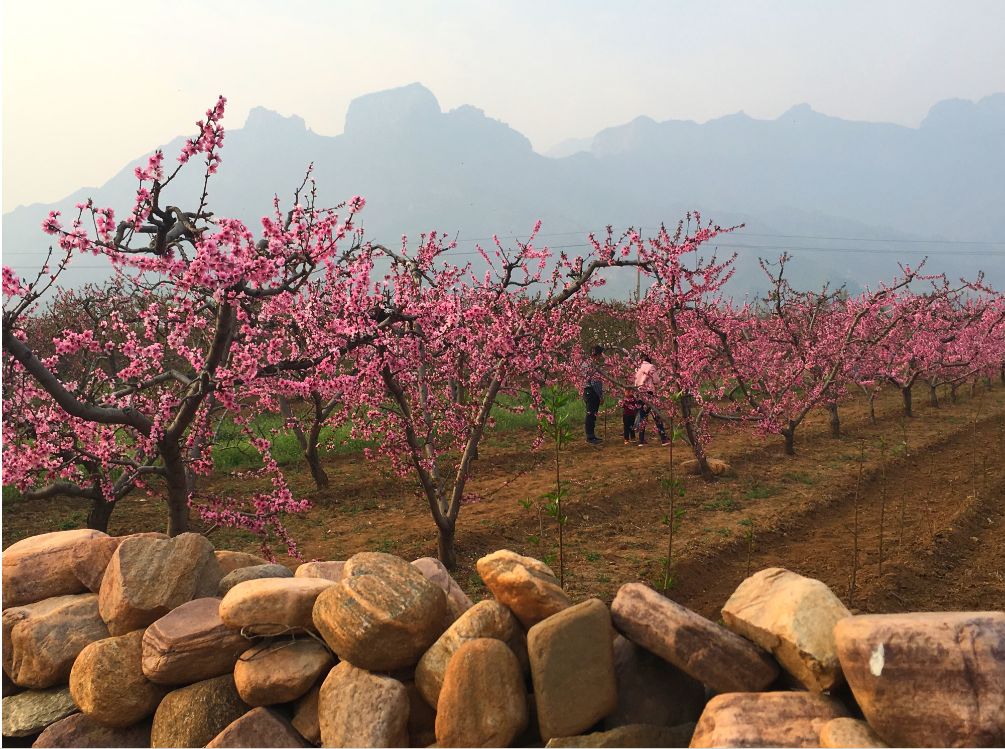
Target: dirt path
943, 547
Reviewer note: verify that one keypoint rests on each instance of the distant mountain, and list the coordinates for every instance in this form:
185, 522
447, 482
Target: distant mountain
794, 181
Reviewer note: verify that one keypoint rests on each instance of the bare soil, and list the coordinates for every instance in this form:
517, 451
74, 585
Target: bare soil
938, 480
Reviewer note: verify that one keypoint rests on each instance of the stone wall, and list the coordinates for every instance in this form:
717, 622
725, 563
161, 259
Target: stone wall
153, 641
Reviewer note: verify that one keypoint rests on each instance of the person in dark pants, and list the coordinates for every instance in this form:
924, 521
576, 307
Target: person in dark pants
630, 406
593, 391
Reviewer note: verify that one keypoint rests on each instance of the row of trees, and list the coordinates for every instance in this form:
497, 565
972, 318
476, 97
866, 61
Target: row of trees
124, 388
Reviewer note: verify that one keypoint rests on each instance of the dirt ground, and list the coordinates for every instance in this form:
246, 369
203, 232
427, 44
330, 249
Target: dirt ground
934, 484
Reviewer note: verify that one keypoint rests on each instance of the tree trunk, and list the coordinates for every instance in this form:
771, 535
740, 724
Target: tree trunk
692, 438
313, 456
835, 422
906, 394
99, 515
177, 488
933, 396
872, 407
445, 543
789, 433
953, 397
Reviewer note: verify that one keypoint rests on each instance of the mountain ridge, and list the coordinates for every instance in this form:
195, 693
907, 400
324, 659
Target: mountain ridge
803, 173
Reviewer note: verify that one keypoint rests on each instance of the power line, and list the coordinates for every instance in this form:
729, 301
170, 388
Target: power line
734, 246
891, 240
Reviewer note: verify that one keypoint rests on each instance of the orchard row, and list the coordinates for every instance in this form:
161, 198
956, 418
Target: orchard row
123, 388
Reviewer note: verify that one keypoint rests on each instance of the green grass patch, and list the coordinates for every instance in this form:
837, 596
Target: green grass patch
757, 490
722, 503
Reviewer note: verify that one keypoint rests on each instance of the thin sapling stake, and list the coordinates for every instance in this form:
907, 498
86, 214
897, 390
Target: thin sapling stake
556, 425
882, 499
854, 529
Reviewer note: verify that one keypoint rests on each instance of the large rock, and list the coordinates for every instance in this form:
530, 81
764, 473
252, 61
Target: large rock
80, 731
191, 644
848, 733
572, 666
525, 585
652, 691
280, 671
41, 640
254, 572
792, 617
235, 560
258, 728
718, 658
30, 712
91, 560
108, 684
357, 708
333, 571
483, 701
305, 715
434, 570
272, 606
41, 567
635, 734
383, 615
715, 465
147, 577
484, 619
783, 719
194, 715
928, 679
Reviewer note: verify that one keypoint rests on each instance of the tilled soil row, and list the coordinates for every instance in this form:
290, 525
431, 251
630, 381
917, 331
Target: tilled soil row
941, 544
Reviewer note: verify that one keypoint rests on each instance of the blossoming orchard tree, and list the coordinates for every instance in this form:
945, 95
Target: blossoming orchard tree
470, 339
138, 391
686, 288
795, 352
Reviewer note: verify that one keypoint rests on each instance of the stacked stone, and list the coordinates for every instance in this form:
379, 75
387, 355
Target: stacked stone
151, 641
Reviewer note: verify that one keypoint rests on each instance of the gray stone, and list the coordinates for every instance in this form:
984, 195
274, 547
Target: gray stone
30, 712
254, 572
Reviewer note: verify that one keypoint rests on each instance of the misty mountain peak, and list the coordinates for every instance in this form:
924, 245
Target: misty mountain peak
264, 121
986, 115
391, 109
799, 113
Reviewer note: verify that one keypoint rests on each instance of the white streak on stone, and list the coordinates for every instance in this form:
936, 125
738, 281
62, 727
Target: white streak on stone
876, 661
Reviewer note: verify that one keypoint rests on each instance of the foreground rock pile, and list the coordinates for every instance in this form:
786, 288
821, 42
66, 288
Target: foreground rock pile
151, 641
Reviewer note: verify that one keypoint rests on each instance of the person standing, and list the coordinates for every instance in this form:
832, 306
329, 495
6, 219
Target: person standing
630, 406
593, 391
647, 379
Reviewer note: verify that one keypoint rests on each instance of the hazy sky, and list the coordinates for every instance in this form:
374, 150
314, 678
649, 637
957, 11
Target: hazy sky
89, 86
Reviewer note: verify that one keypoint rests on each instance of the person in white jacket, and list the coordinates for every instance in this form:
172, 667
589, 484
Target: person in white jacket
647, 381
